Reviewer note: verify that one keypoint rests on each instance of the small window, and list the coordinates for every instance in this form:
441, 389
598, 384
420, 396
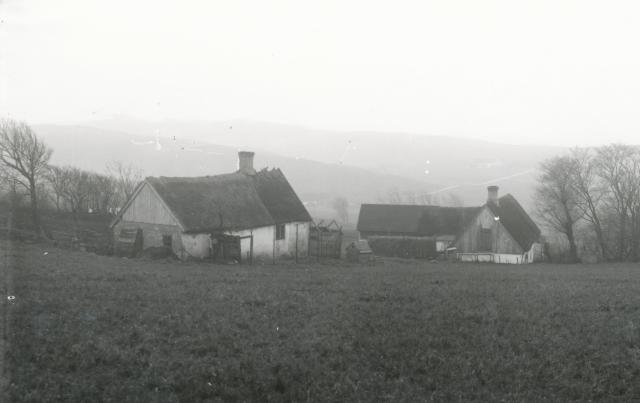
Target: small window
279, 231
166, 241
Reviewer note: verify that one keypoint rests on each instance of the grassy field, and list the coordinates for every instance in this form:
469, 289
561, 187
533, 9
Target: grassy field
94, 328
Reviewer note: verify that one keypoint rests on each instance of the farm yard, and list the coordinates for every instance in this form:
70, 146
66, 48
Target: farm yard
95, 328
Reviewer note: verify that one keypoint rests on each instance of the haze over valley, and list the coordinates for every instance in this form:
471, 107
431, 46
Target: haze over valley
363, 167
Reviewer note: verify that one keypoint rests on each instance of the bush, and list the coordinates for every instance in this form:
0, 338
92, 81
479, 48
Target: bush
404, 247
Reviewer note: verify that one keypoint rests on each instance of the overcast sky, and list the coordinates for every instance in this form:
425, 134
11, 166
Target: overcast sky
555, 72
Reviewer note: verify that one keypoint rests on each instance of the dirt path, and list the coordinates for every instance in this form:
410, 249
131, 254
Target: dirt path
6, 281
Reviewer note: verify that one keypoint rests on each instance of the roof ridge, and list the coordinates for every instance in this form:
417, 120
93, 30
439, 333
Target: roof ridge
196, 177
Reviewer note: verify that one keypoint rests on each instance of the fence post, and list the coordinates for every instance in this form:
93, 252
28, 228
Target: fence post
251, 249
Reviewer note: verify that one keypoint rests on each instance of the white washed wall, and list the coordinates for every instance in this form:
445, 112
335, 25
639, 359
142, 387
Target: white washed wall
196, 245
262, 242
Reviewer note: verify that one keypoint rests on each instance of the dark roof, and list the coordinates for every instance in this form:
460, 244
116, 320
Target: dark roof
516, 221
231, 201
437, 221
414, 219
279, 197
390, 218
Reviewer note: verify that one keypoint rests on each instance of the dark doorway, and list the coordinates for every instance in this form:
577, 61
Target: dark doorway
225, 248
166, 241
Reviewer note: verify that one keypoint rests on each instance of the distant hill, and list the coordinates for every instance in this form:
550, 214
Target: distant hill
363, 167
461, 165
316, 183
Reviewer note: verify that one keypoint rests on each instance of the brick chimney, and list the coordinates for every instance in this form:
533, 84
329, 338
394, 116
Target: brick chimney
492, 195
245, 162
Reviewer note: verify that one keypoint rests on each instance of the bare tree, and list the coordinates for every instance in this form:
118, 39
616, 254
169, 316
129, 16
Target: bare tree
58, 178
396, 196
102, 192
590, 192
109, 195
15, 193
393, 196
453, 200
429, 199
77, 190
24, 158
619, 166
127, 179
632, 179
341, 206
556, 201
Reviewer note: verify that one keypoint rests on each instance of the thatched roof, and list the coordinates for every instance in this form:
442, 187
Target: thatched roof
516, 221
438, 221
230, 202
390, 218
279, 197
414, 219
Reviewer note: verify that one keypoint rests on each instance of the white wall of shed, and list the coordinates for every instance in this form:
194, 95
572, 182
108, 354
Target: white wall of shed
264, 242
196, 245
500, 258
264, 237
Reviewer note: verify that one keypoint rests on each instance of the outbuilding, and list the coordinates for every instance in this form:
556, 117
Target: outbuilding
499, 231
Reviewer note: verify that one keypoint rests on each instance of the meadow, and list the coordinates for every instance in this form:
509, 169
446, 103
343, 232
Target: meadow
96, 328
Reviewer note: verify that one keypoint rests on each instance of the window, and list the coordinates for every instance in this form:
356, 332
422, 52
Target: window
279, 231
166, 241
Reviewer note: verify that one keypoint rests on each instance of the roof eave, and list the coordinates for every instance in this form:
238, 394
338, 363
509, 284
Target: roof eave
164, 203
118, 217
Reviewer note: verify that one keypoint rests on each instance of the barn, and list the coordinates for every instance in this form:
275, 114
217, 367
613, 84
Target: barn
440, 224
242, 216
498, 231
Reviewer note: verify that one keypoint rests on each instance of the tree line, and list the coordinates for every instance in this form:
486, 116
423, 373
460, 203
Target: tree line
590, 197
26, 173
75, 190
396, 196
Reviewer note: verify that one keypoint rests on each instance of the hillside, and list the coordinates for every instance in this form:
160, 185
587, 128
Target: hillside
461, 165
317, 183
321, 165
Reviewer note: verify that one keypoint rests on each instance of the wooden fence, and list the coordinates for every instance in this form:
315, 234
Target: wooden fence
325, 241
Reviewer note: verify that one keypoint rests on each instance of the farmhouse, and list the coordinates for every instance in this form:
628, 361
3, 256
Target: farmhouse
500, 230
243, 215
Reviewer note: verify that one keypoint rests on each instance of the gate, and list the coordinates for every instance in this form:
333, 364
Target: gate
325, 240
